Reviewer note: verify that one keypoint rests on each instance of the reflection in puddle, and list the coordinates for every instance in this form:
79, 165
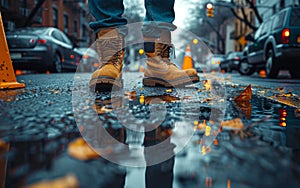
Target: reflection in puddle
232, 159
9, 95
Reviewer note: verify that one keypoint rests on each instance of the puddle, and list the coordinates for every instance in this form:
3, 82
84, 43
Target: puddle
267, 146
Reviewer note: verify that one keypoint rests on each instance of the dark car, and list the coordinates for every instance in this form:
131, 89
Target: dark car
231, 61
41, 49
276, 44
89, 59
244, 68
214, 61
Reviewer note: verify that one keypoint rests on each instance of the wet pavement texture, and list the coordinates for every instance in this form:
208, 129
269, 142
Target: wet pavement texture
38, 122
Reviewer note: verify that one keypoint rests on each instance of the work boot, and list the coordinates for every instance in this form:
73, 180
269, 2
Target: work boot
159, 69
110, 50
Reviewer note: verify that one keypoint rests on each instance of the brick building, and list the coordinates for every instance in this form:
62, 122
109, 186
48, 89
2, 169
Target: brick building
240, 28
69, 16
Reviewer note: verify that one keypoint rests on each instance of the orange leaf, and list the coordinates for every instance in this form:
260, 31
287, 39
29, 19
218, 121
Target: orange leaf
245, 107
69, 181
235, 124
246, 95
81, 150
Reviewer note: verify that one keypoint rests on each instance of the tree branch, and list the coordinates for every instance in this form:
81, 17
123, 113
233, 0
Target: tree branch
246, 21
254, 8
32, 14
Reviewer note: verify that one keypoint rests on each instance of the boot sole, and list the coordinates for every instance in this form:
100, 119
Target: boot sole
105, 83
152, 81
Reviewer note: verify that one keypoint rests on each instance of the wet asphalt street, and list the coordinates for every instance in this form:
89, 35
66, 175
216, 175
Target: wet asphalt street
41, 120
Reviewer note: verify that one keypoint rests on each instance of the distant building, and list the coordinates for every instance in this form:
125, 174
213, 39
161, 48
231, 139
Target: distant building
240, 28
69, 16
267, 8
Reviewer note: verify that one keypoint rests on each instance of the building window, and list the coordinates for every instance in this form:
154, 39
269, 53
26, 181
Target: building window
38, 17
75, 31
241, 28
83, 31
251, 18
66, 23
23, 3
5, 3
24, 11
55, 17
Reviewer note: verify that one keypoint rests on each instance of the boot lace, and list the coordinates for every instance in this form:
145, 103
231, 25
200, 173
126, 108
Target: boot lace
164, 51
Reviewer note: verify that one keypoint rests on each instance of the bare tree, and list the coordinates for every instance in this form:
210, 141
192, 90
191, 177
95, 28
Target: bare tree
235, 8
202, 26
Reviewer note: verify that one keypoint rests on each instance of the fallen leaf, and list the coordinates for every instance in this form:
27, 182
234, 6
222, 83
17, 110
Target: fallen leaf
208, 99
101, 109
162, 98
207, 84
246, 95
142, 99
234, 124
207, 130
69, 181
199, 126
279, 88
297, 113
79, 149
245, 107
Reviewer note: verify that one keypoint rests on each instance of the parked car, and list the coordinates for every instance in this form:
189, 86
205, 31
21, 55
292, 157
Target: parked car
41, 49
276, 44
231, 61
214, 61
244, 68
89, 59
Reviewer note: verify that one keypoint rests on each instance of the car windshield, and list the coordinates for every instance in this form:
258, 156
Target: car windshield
295, 17
27, 30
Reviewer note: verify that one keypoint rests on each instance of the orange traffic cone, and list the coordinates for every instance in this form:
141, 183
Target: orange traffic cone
7, 74
187, 60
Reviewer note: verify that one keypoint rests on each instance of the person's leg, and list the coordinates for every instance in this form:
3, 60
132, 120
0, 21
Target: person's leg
159, 15
106, 14
108, 26
157, 37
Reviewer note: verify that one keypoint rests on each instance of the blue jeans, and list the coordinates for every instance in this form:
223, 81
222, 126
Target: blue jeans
108, 13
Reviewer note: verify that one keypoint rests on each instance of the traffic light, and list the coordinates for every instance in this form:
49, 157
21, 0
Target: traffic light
209, 9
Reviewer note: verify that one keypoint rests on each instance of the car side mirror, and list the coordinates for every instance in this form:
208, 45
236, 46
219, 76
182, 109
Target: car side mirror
249, 37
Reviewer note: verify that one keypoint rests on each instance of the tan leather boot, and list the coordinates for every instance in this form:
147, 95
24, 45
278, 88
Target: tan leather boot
109, 45
160, 70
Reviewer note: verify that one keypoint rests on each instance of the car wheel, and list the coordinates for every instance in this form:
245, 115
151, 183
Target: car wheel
272, 68
245, 69
57, 64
